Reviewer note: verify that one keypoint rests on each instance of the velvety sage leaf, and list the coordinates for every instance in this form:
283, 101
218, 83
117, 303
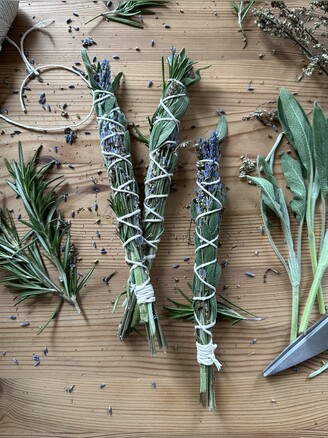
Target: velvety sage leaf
297, 129
320, 143
268, 194
294, 178
264, 167
222, 128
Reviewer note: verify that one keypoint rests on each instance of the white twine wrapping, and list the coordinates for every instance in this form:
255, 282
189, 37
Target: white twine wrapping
144, 292
156, 217
206, 352
8, 12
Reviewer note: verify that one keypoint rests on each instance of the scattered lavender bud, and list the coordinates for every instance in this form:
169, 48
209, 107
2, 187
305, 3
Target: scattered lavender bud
102, 385
76, 28
103, 251
36, 357
12, 317
94, 59
45, 351
253, 341
16, 361
69, 21
153, 385
98, 234
250, 274
150, 84
110, 411
71, 87
87, 42
55, 149
167, 26
75, 14
152, 43
71, 166
176, 266
42, 98
116, 57
95, 206
24, 324
186, 259
70, 388
3, 353
72, 213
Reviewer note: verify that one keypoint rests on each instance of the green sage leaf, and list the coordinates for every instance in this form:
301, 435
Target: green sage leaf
294, 178
297, 129
320, 143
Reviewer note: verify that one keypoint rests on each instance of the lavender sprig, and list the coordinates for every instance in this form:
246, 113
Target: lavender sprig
206, 210
115, 146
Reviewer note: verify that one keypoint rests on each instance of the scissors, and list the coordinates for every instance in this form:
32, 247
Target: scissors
314, 341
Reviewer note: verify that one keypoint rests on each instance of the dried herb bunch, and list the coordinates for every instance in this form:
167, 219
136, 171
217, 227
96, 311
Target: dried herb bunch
46, 246
127, 10
306, 27
307, 177
163, 155
115, 148
206, 211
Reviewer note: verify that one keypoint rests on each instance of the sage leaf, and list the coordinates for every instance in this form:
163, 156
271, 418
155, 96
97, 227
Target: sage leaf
297, 129
320, 143
293, 175
222, 128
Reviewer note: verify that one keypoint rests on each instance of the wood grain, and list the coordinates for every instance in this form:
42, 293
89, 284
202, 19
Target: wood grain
85, 352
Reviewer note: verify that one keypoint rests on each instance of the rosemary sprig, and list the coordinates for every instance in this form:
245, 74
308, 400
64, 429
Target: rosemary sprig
47, 241
127, 10
225, 310
115, 146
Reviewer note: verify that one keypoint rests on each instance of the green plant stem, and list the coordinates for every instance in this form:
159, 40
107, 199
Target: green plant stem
321, 268
323, 219
311, 201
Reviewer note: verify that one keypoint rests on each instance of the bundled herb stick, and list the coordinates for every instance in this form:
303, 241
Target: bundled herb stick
127, 11
47, 241
307, 177
115, 147
206, 210
163, 154
163, 146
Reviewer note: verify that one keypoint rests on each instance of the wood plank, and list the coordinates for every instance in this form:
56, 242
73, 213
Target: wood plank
86, 351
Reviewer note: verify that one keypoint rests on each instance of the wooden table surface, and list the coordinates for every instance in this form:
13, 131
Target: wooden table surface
154, 396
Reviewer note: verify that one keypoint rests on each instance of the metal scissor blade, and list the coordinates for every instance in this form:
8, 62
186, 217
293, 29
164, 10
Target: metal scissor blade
307, 345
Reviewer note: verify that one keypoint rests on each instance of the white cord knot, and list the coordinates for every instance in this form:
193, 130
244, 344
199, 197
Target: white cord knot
206, 354
144, 294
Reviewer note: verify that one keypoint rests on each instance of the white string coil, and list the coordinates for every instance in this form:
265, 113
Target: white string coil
206, 354
8, 12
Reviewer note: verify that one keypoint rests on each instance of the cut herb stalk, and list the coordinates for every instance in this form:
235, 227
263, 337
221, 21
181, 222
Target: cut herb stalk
127, 10
206, 211
115, 147
47, 241
163, 153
